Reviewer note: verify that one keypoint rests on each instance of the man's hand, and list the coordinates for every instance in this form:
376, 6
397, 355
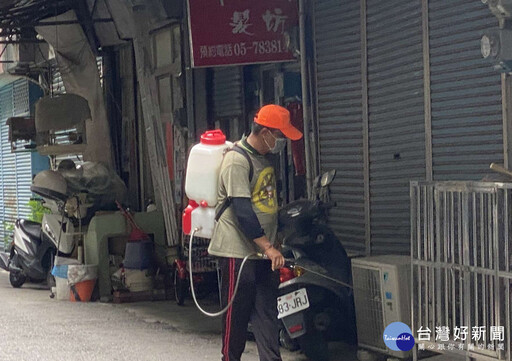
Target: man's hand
276, 257
273, 254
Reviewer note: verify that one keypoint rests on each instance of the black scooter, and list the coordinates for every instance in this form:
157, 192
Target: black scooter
30, 256
316, 303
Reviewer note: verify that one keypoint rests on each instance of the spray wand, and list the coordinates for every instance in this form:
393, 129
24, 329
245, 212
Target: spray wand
289, 263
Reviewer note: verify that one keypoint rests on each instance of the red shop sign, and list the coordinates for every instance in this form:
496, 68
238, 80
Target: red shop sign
229, 32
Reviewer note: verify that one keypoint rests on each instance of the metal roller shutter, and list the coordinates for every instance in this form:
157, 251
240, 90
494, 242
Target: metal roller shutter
23, 161
465, 90
227, 92
10, 203
396, 118
16, 171
7, 164
57, 85
338, 52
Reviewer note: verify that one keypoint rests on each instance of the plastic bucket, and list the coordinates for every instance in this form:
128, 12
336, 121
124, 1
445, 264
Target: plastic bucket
61, 289
82, 291
81, 272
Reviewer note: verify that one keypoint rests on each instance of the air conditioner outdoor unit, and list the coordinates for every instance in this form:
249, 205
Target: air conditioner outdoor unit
20, 59
381, 296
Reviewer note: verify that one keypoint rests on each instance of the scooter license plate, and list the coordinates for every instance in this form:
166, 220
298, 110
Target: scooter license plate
292, 302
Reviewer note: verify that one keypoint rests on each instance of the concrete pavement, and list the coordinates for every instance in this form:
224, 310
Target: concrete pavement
37, 328
34, 327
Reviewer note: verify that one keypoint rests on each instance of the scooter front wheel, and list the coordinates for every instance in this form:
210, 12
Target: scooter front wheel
17, 279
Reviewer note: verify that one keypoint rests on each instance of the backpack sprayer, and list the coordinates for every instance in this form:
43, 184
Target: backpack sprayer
201, 187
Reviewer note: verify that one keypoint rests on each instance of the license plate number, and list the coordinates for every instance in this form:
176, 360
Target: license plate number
292, 302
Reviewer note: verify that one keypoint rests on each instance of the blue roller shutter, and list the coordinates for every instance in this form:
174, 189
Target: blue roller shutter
6, 164
23, 163
16, 168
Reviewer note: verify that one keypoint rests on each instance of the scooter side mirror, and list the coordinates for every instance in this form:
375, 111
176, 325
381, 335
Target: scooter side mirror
327, 178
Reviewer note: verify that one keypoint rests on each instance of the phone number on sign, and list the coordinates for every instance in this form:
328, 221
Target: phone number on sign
242, 49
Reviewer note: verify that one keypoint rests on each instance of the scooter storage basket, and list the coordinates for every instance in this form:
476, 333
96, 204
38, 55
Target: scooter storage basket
202, 261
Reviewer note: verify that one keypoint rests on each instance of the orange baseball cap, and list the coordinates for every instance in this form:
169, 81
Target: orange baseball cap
277, 117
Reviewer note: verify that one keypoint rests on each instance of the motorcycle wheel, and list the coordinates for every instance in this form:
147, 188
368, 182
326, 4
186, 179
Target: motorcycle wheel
286, 341
180, 288
314, 345
17, 279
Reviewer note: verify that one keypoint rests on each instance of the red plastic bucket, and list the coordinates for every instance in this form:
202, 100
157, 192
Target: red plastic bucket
82, 291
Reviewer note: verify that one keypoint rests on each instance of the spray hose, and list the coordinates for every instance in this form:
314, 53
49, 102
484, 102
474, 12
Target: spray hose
225, 309
251, 256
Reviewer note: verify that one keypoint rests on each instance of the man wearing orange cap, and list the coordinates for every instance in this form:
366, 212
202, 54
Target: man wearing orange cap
247, 224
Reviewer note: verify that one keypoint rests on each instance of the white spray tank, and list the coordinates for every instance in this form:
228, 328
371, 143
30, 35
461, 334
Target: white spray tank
201, 182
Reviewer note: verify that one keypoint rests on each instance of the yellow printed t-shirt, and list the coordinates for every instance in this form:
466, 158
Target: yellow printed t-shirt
228, 239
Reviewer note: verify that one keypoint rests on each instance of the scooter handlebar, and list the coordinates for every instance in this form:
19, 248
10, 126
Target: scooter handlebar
287, 261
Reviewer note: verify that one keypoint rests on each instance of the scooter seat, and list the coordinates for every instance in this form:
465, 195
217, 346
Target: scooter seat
33, 229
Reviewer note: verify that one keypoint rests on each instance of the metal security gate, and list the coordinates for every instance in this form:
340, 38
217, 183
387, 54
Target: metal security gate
460, 249
227, 92
15, 168
338, 63
402, 94
6, 164
228, 100
467, 121
23, 161
396, 118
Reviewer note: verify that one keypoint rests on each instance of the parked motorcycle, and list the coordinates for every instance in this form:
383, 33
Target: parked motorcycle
35, 245
72, 194
316, 303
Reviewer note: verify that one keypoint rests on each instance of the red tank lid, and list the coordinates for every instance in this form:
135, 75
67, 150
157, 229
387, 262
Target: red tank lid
213, 137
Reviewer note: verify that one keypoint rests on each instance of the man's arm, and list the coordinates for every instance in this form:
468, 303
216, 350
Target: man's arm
252, 229
247, 219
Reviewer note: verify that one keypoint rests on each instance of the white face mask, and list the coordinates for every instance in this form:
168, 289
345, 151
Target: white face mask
279, 145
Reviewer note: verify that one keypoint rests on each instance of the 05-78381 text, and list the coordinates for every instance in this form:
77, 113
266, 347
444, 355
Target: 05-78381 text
259, 47
241, 49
